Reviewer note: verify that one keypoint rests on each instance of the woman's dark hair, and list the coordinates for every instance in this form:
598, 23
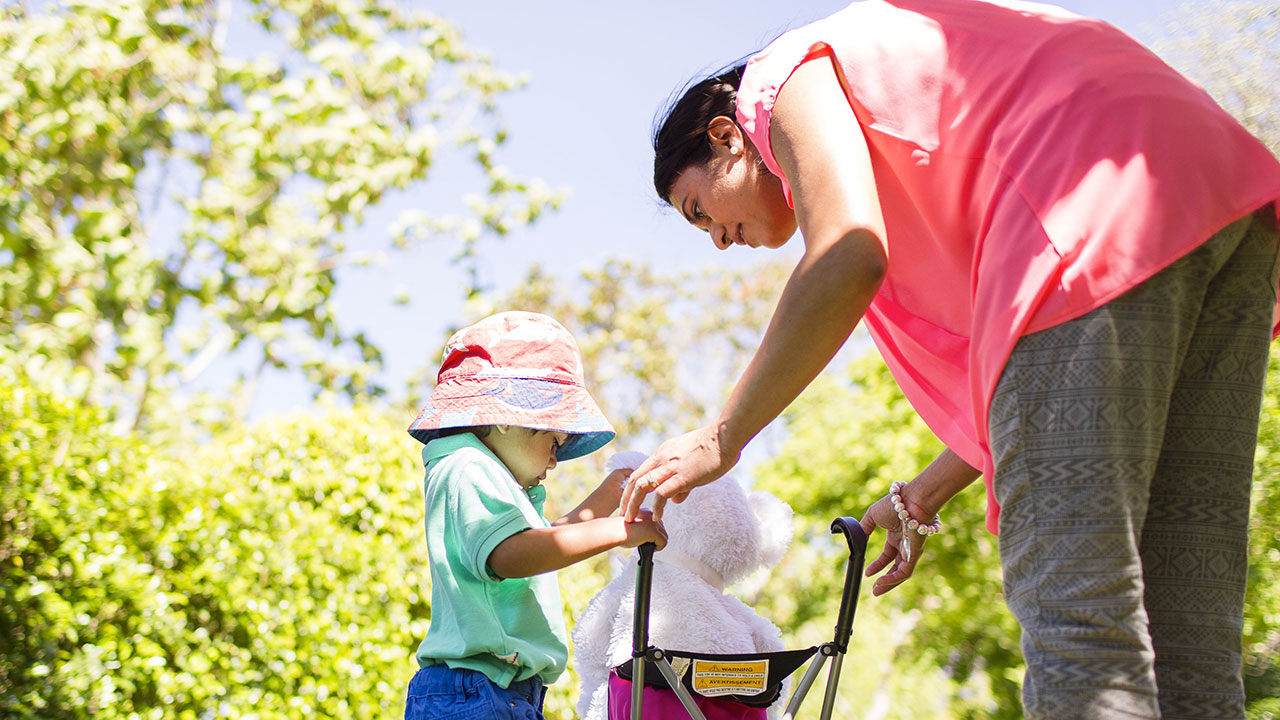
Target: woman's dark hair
680, 139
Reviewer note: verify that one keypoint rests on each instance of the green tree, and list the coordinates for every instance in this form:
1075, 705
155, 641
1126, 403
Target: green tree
163, 200
945, 638
1262, 599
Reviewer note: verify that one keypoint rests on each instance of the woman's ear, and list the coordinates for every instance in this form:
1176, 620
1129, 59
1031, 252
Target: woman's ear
502, 429
725, 135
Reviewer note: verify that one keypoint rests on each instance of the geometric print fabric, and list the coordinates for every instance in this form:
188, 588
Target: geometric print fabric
1123, 444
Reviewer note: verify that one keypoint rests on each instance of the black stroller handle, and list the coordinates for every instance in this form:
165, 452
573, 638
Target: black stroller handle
644, 581
640, 628
642, 653
857, 540
853, 534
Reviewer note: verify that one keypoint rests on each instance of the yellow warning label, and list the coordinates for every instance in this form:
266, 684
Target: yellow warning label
712, 677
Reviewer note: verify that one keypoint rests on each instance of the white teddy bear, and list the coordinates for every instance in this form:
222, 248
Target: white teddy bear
716, 538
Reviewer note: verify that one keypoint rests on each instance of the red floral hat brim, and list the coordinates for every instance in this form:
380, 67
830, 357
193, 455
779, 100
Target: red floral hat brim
523, 402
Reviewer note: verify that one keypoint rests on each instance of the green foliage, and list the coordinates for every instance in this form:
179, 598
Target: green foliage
275, 573
1262, 599
163, 201
849, 436
279, 569
848, 439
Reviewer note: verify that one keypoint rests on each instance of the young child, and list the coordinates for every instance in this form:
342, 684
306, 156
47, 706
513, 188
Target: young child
509, 404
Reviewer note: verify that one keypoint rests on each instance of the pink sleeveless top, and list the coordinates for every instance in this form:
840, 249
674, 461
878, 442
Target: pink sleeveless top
1031, 165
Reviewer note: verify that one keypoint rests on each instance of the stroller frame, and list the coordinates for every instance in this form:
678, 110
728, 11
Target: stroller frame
642, 653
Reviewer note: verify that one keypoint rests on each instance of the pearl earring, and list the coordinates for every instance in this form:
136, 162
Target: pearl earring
733, 149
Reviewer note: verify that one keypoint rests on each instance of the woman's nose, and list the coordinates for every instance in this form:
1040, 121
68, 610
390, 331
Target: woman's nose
720, 236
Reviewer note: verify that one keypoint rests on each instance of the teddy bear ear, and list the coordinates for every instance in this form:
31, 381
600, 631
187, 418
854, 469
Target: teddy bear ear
774, 518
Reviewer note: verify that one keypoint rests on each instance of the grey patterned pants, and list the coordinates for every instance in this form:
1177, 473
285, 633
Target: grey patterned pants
1123, 443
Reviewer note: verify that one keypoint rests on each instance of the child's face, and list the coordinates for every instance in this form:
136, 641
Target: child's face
527, 453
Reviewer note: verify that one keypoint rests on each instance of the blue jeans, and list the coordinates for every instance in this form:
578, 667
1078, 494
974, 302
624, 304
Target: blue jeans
439, 692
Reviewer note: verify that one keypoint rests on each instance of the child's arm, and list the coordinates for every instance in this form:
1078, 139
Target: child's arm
602, 502
539, 550
605, 499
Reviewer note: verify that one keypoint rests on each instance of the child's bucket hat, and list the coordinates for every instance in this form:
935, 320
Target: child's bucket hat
515, 368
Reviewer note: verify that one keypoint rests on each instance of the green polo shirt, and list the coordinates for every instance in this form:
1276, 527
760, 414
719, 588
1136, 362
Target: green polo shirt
508, 629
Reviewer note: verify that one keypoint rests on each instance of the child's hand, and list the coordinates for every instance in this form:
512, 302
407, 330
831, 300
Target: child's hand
645, 529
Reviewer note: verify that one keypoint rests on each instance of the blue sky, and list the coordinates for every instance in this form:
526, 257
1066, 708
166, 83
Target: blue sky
598, 74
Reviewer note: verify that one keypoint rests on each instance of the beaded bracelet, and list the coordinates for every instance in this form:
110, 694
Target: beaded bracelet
909, 523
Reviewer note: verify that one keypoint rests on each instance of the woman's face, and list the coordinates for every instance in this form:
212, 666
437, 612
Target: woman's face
733, 199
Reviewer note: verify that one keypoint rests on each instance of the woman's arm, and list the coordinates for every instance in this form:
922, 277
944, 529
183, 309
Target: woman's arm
820, 146
539, 550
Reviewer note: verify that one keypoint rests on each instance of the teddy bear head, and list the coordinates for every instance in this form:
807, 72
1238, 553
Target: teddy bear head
729, 530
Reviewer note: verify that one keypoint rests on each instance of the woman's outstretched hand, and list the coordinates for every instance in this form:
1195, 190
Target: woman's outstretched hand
678, 466
942, 480
882, 515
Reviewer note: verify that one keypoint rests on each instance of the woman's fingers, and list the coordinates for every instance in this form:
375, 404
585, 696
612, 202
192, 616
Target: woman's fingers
888, 555
898, 574
632, 496
628, 489
646, 478
881, 515
659, 503
673, 470
886, 582
901, 570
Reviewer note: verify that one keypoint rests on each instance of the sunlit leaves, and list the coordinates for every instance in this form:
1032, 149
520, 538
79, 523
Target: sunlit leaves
273, 573
156, 174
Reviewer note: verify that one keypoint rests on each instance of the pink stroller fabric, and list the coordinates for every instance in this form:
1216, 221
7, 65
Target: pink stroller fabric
661, 703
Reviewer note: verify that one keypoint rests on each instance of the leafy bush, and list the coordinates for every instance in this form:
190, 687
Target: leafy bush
275, 572
279, 570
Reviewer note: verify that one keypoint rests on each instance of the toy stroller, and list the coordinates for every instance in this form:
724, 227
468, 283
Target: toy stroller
747, 680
